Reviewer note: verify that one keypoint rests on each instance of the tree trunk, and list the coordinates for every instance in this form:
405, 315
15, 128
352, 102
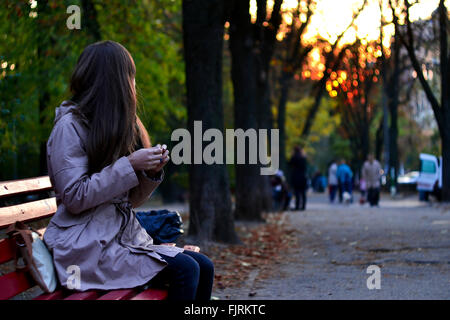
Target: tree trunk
393, 148
365, 142
263, 89
440, 108
43, 44
243, 69
315, 107
393, 94
379, 140
445, 142
89, 21
210, 215
285, 83
332, 62
43, 103
264, 122
445, 99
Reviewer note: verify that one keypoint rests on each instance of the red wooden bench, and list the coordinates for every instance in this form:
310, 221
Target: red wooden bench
16, 282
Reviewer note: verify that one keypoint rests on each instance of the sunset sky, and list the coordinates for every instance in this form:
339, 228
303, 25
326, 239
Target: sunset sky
333, 16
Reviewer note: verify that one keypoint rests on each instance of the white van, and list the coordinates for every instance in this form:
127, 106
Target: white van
430, 177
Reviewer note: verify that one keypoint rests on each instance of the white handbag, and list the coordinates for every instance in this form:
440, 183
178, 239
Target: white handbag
36, 259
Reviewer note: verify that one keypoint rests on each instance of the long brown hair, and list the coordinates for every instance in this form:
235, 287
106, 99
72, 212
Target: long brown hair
103, 88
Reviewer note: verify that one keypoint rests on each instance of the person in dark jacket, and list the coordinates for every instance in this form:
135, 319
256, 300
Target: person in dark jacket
298, 166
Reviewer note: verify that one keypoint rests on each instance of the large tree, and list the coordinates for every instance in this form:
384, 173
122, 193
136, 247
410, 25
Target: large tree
440, 105
266, 30
251, 47
332, 60
293, 56
355, 85
390, 74
210, 214
43, 43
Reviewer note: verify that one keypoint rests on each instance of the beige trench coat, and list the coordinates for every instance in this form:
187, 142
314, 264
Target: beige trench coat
95, 228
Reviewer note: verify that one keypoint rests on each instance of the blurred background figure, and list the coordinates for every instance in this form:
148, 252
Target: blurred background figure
319, 182
371, 173
363, 190
332, 180
345, 175
298, 166
280, 192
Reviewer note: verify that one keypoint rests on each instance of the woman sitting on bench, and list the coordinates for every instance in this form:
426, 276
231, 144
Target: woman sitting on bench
102, 165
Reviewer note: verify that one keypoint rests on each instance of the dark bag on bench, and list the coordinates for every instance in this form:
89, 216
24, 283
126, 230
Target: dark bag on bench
163, 226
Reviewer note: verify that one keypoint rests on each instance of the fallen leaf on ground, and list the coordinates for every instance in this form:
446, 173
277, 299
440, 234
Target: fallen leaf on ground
263, 247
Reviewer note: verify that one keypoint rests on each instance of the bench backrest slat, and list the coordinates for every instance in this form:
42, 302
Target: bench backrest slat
15, 187
13, 283
6, 251
27, 212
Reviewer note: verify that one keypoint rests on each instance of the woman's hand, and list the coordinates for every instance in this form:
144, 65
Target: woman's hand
147, 159
162, 162
191, 248
170, 244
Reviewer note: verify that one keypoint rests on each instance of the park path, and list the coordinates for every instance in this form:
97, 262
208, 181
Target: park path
407, 239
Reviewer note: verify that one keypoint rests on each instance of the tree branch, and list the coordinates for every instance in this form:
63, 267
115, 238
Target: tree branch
418, 68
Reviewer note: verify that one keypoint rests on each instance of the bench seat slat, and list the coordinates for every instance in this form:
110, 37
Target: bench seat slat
87, 295
15, 187
27, 211
151, 294
56, 295
13, 283
124, 294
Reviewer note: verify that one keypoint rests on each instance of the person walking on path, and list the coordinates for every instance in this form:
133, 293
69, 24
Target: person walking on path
298, 165
344, 175
332, 180
371, 173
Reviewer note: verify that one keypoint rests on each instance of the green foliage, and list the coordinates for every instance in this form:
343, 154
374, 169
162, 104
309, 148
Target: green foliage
35, 51
325, 123
319, 143
413, 140
156, 46
44, 51
340, 147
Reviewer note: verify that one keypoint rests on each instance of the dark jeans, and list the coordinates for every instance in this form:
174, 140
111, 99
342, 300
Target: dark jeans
333, 190
373, 196
300, 193
190, 276
281, 200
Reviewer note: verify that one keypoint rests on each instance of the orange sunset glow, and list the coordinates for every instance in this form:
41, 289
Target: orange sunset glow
331, 17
